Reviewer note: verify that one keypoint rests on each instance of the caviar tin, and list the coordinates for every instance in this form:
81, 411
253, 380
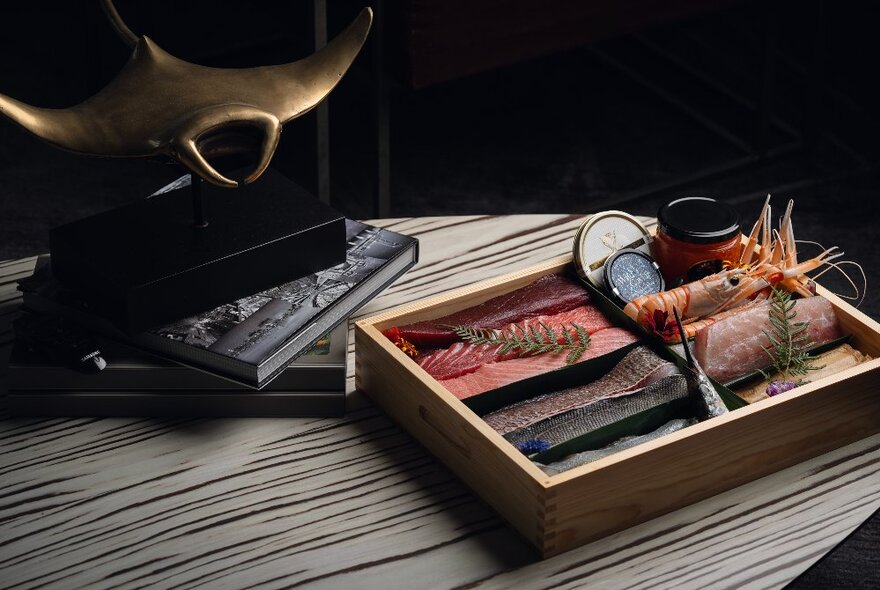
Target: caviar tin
630, 274
601, 236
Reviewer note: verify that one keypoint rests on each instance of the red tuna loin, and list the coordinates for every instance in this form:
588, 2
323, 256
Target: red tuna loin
548, 295
462, 358
731, 347
495, 375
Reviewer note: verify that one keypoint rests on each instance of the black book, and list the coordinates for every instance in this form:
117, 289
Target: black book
253, 339
144, 264
136, 384
321, 368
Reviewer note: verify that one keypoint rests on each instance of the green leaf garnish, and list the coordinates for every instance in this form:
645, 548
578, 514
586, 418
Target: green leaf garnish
530, 340
789, 341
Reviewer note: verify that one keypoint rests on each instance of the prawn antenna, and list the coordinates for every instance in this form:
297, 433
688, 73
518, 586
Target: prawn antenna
859, 294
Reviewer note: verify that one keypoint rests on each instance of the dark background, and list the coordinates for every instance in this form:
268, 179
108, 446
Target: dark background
573, 124
506, 107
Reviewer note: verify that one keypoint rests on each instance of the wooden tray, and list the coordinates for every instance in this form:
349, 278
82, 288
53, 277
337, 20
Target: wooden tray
557, 513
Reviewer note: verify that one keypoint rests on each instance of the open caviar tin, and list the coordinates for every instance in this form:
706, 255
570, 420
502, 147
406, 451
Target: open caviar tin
556, 513
601, 236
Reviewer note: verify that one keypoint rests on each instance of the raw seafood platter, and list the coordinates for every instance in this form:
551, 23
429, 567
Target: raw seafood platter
553, 376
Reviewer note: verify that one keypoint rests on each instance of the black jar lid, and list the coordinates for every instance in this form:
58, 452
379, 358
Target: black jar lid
698, 220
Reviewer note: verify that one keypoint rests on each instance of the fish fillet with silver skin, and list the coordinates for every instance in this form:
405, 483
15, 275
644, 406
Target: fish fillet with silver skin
580, 421
709, 402
627, 442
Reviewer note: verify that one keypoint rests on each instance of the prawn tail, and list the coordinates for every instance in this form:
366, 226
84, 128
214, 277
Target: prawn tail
644, 310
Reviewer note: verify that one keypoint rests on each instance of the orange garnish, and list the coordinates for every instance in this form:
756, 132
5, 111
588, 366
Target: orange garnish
730, 265
407, 347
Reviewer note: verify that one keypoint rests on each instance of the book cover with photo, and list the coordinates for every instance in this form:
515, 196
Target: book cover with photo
251, 340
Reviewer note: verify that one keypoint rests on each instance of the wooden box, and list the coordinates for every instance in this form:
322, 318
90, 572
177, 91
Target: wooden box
557, 513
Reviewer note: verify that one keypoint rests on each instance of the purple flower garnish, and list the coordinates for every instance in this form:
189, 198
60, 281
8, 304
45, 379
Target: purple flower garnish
777, 387
532, 446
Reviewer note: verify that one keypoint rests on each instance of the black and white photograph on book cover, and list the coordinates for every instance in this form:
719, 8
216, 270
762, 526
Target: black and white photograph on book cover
250, 339
251, 328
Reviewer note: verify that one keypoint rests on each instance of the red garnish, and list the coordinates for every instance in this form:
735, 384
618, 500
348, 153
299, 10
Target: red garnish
658, 323
407, 347
660, 318
393, 334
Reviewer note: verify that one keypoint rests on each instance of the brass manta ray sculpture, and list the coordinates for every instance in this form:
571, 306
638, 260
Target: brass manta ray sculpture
161, 105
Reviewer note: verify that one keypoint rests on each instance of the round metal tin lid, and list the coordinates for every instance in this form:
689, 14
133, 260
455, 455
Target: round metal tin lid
602, 235
630, 274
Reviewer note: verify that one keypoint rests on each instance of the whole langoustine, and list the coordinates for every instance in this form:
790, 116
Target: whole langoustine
773, 263
700, 303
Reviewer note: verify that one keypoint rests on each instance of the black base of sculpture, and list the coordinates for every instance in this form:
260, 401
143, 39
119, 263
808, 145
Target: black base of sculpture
148, 263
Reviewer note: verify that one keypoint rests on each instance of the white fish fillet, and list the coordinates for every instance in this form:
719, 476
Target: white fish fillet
732, 347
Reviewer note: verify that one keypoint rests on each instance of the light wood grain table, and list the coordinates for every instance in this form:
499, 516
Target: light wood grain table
355, 502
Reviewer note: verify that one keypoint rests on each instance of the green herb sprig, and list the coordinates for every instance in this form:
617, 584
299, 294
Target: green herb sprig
531, 340
789, 340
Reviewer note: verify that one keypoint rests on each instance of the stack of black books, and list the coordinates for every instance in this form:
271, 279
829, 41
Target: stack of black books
134, 383
279, 352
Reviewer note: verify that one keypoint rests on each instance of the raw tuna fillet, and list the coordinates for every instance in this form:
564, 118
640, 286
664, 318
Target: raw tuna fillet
462, 358
639, 368
548, 295
498, 374
731, 347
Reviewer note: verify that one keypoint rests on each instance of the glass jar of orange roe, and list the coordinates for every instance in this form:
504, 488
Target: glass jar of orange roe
695, 237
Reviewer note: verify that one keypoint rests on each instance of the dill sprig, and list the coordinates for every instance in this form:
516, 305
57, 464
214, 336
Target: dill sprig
530, 340
789, 340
